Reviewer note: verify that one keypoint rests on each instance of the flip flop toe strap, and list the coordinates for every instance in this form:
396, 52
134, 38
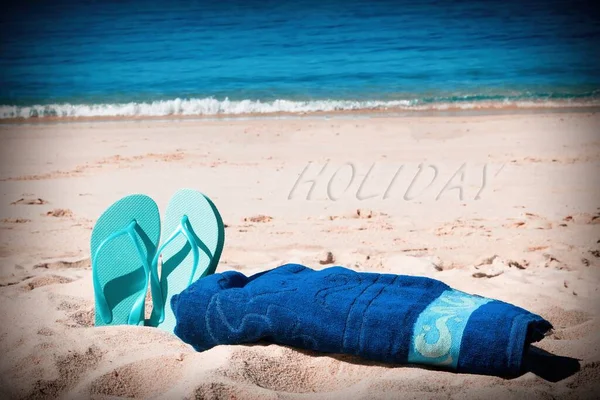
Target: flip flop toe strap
184, 229
102, 307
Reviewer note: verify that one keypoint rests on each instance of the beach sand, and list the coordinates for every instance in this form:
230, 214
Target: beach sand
513, 214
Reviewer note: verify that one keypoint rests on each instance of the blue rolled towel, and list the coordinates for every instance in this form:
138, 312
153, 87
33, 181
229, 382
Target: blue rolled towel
382, 317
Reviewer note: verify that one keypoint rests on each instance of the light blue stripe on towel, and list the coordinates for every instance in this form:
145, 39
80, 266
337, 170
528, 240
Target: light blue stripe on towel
437, 334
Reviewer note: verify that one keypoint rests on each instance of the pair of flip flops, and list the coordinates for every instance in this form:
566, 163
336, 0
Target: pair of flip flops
126, 252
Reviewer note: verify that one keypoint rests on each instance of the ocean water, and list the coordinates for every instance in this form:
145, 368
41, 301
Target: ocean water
157, 58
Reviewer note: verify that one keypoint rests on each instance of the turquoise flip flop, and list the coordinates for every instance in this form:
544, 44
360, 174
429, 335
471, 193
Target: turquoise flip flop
123, 245
194, 235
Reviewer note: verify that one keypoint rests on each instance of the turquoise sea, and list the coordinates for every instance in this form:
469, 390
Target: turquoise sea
158, 58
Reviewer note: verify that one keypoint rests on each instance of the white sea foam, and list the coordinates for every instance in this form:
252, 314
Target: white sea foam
212, 107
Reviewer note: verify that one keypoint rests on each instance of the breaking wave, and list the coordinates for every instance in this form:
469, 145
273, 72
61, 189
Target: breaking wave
215, 107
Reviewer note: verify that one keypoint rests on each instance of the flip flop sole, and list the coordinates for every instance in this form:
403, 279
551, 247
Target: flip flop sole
177, 257
118, 267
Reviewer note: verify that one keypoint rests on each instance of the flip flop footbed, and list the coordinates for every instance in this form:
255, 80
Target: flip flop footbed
177, 269
119, 273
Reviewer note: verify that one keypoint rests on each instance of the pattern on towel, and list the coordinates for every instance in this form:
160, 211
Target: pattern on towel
336, 283
253, 326
439, 329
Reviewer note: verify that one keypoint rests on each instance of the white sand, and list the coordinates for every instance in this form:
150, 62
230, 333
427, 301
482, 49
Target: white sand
539, 208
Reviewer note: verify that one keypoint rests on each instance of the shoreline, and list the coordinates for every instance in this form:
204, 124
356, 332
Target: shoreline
338, 114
